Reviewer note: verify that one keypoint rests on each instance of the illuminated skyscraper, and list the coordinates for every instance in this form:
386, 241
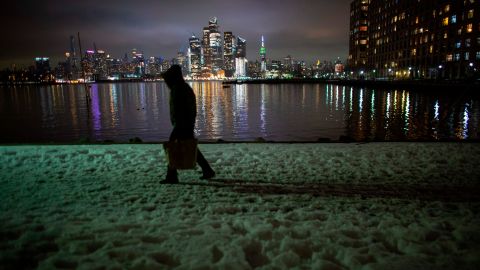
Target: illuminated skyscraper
195, 51
215, 46
241, 60
263, 56
288, 64
100, 65
138, 62
241, 47
229, 53
42, 69
206, 53
182, 61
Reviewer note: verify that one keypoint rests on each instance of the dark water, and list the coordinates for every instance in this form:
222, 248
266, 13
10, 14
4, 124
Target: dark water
289, 112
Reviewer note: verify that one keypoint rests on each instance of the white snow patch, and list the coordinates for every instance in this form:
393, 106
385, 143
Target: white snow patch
318, 206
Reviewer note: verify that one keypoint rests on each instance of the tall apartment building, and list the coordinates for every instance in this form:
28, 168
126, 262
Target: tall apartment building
415, 38
195, 54
358, 34
229, 52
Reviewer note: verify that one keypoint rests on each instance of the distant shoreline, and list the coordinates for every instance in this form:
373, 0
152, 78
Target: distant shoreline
381, 84
384, 84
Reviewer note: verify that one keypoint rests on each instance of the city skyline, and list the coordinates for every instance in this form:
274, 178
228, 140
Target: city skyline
162, 29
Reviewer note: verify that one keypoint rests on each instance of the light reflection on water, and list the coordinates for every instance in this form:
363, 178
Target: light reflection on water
282, 112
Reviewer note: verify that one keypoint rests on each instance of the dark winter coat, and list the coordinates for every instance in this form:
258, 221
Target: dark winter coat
183, 110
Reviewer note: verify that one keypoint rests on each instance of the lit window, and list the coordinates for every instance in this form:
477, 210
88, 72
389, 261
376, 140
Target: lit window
445, 35
363, 42
467, 56
414, 52
470, 14
363, 28
478, 55
431, 49
469, 28
467, 42
447, 8
458, 44
457, 57
445, 21
449, 58
454, 18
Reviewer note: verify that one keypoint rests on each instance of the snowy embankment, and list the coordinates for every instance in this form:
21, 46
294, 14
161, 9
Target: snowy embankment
319, 206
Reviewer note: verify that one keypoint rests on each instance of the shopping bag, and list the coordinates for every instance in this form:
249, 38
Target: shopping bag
181, 154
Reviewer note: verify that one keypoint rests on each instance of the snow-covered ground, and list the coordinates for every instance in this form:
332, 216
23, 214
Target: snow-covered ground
271, 206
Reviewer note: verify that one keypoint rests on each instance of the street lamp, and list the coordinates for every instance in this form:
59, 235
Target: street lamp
471, 65
440, 75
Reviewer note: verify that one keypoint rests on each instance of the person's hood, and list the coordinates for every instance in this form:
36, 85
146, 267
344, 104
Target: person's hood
173, 75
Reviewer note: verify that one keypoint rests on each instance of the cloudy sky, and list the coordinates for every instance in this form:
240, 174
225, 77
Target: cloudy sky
304, 29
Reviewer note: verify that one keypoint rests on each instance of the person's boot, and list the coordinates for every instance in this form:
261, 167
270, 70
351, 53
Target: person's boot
171, 178
207, 171
208, 174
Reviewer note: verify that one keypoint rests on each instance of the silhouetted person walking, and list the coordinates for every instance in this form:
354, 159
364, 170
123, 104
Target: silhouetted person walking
183, 111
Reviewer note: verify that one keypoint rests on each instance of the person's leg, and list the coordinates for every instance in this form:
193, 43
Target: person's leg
172, 175
206, 169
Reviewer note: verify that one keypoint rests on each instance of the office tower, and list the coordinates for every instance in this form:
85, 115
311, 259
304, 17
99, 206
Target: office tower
425, 39
215, 46
229, 53
339, 67
206, 53
263, 56
195, 52
42, 69
100, 71
288, 64
138, 62
241, 60
166, 64
154, 67
254, 69
182, 61
241, 47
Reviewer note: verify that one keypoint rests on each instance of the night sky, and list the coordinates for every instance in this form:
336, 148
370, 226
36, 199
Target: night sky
305, 29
